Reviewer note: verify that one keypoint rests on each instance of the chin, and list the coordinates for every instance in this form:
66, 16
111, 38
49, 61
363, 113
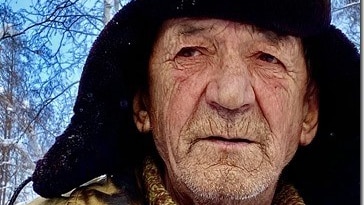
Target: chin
220, 183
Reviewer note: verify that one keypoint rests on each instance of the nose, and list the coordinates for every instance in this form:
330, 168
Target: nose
230, 88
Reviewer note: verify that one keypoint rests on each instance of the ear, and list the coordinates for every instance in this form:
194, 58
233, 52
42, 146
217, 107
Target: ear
310, 120
141, 116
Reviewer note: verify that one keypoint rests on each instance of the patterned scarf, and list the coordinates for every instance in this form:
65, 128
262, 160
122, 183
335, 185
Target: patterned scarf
158, 195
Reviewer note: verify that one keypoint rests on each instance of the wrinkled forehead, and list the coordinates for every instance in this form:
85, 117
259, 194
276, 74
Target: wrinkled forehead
212, 27
197, 25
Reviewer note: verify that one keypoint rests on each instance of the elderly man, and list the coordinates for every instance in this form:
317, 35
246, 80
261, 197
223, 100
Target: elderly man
207, 102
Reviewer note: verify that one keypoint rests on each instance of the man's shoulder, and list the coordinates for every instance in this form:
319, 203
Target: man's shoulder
98, 191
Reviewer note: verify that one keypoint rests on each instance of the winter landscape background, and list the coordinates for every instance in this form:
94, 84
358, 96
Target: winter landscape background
43, 46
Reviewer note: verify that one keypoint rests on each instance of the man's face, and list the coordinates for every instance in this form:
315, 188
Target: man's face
227, 106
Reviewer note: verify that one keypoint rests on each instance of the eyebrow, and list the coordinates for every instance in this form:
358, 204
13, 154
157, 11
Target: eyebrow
270, 35
188, 30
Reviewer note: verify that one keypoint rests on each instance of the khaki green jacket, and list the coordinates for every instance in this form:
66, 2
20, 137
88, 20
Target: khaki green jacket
103, 192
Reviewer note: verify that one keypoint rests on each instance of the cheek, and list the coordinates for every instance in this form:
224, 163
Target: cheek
281, 105
184, 100
280, 102
174, 97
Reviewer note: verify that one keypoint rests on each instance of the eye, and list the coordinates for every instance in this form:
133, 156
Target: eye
189, 52
268, 58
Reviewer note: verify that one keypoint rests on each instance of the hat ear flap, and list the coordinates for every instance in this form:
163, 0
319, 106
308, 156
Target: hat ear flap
101, 136
328, 170
67, 164
334, 64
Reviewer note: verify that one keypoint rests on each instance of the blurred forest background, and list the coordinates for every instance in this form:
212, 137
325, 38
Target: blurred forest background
43, 46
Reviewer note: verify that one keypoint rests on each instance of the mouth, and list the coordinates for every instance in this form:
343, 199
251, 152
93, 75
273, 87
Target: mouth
226, 143
227, 140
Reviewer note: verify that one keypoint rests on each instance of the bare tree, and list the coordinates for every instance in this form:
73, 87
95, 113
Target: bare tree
42, 50
107, 10
15, 100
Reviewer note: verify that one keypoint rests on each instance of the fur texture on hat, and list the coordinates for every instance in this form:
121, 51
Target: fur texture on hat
328, 170
102, 137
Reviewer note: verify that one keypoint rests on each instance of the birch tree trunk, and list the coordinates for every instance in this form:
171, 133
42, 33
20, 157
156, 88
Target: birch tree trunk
107, 10
116, 5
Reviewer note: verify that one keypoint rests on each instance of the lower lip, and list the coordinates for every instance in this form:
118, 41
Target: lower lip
223, 144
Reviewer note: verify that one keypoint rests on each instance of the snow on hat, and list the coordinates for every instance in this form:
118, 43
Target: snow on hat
102, 136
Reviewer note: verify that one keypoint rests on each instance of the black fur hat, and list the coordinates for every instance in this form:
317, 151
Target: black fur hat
102, 136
